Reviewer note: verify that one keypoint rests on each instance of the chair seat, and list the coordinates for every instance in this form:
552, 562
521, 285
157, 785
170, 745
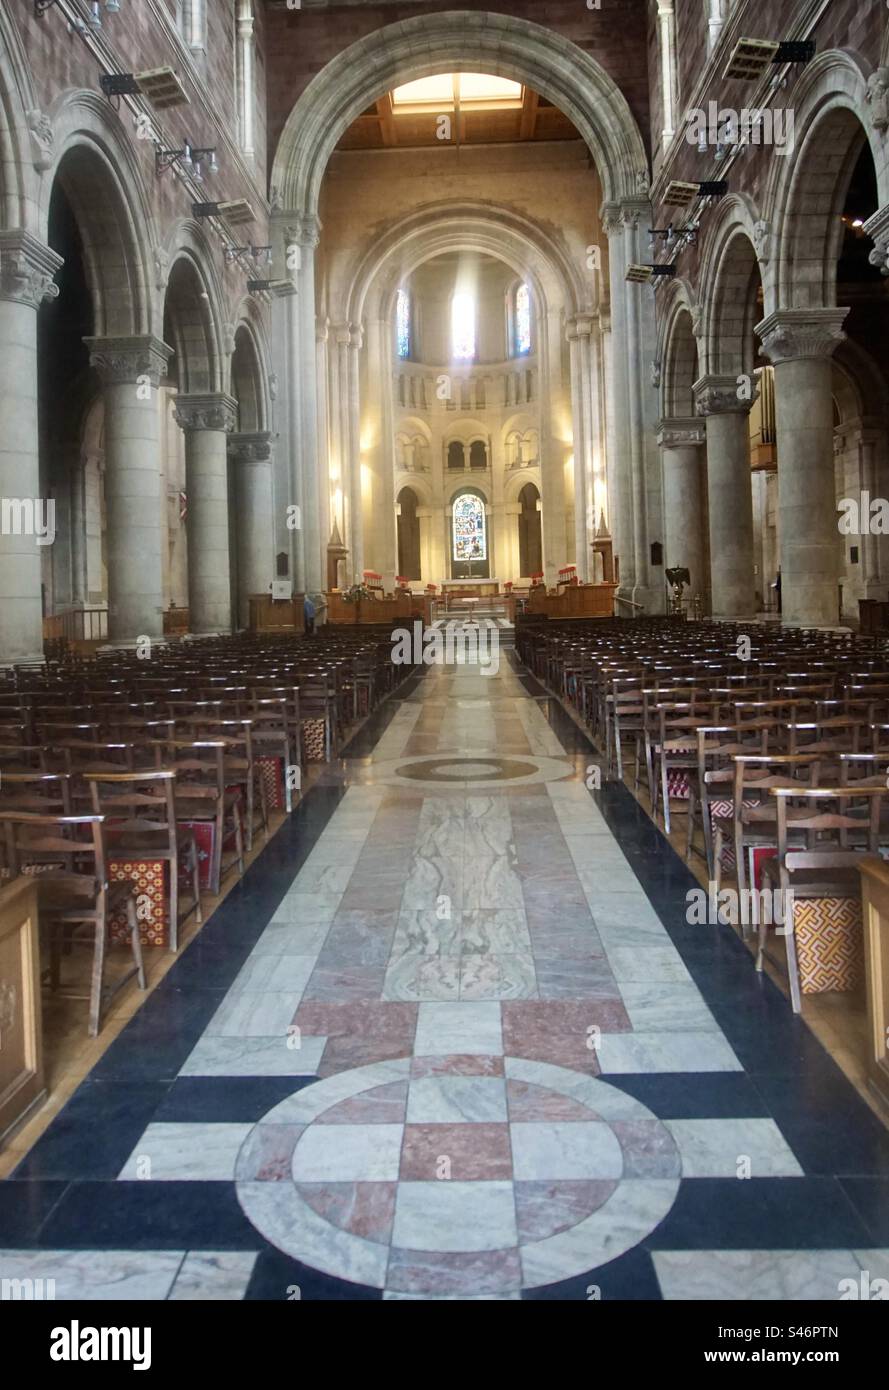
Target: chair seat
203, 808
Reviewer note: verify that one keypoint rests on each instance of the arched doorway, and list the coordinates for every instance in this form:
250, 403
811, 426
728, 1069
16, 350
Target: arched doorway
408, 534
530, 537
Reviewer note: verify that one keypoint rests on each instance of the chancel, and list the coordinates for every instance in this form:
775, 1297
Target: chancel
444, 662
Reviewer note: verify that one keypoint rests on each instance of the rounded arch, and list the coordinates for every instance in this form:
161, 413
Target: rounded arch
729, 272
530, 532
443, 227
678, 352
96, 167
475, 488
457, 41
860, 389
808, 186
193, 316
249, 377
19, 116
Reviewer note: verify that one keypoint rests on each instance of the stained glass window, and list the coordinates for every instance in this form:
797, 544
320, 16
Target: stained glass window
470, 536
522, 320
463, 326
403, 323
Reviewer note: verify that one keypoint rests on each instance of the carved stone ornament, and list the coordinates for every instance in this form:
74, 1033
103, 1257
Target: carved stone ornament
877, 98
161, 267
250, 448
718, 395
611, 219
680, 433
655, 374
879, 256
42, 139
125, 360
27, 268
697, 322
762, 240
228, 338
212, 412
794, 334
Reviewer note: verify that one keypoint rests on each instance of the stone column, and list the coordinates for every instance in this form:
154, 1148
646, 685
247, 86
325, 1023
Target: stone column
681, 442
130, 370
349, 338
307, 234
800, 343
729, 496
251, 459
632, 402
27, 268
579, 332
284, 391
424, 517
207, 421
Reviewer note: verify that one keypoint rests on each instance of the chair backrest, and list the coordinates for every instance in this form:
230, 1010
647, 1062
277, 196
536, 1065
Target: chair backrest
67, 851
827, 814
135, 803
42, 793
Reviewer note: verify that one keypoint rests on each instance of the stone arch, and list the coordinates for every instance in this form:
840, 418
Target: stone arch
678, 352
808, 187
726, 289
530, 530
249, 378
454, 41
439, 228
19, 117
193, 316
96, 167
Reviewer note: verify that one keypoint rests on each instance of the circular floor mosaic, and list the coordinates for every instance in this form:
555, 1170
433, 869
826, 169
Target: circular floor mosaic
457, 1176
467, 770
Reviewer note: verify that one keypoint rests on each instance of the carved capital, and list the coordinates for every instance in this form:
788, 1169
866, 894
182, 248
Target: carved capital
27, 268
304, 229
718, 395
125, 360
211, 412
579, 326
794, 334
250, 448
681, 432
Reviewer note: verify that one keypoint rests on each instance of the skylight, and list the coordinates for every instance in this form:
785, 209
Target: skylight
475, 90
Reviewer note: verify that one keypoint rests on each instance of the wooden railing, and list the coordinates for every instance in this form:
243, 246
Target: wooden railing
21, 1043
875, 920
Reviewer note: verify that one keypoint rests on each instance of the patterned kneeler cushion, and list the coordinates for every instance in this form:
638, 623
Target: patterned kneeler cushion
829, 943
678, 785
271, 770
149, 878
313, 740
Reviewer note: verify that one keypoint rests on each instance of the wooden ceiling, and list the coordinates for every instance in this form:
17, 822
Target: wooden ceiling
382, 127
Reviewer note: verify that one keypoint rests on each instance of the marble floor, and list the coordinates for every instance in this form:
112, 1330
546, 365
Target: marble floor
452, 1037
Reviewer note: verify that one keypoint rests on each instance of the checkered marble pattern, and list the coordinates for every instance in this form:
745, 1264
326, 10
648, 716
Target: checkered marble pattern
467, 1047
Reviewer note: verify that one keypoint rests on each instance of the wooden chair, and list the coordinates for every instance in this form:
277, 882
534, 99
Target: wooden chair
201, 796
140, 823
823, 868
75, 899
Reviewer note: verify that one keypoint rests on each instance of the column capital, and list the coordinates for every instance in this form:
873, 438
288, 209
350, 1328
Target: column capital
215, 411
680, 432
628, 212
120, 361
718, 395
250, 448
877, 228
791, 335
303, 229
580, 326
348, 334
27, 268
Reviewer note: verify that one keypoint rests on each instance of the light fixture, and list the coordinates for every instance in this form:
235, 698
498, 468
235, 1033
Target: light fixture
751, 57
95, 19
160, 86
268, 286
243, 253
238, 212
187, 158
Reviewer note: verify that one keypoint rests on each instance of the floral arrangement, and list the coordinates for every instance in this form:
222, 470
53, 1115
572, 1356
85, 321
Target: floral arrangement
356, 593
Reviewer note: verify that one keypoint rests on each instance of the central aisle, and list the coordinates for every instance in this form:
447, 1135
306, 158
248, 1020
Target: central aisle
465, 1057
